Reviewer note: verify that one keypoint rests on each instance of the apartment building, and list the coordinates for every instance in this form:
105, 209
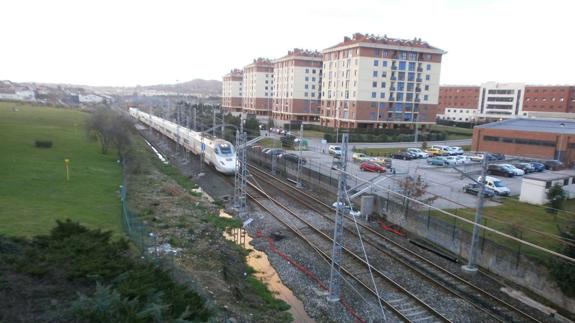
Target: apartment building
297, 94
258, 90
232, 93
497, 101
374, 82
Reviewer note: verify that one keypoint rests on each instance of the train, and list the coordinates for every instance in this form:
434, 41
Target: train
217, 152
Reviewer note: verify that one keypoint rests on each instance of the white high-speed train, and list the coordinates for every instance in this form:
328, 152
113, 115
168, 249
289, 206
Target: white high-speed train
217, 152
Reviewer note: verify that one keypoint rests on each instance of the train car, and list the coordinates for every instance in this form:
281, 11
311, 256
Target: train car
217, 152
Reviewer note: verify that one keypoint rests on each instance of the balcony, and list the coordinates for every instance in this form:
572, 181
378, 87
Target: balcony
419, 69
418, 89
394, 67
417, 100
391, 97
419, 80
393, 78
392, 88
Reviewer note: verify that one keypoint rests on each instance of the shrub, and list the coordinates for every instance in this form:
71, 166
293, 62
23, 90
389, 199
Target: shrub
43, 143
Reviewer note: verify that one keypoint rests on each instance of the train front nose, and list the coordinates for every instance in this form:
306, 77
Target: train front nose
228, 166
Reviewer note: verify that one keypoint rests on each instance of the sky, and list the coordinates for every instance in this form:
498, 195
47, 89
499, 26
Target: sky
127, 43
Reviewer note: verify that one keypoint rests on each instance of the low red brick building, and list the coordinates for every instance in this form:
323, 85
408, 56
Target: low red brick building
534, 138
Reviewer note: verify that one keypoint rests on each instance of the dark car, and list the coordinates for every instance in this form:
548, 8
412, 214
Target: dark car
474, 188
538, 167
405, 155
553, 164
499, 170
292, 158
372, 167
526, 167
275, 152
495, 156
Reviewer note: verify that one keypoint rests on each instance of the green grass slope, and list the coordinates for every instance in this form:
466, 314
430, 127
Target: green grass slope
33, 187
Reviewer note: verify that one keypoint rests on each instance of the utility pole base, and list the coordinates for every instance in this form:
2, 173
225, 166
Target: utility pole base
468, 269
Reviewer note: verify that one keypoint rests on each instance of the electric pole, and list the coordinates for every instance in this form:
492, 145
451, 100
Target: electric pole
471, 265
300, 161
336, 254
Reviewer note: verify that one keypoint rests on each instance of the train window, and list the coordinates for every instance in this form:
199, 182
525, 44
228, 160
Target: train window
224, 149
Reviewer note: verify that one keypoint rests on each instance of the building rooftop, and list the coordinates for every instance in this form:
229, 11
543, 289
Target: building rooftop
559, 126
551, 176
384, 40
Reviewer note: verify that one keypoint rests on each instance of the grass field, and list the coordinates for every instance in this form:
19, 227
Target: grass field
33, 187
526, 221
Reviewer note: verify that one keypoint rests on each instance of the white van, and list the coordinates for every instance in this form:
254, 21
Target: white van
496, 185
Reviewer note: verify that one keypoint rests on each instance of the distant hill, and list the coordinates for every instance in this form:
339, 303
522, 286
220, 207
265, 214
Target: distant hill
205, 87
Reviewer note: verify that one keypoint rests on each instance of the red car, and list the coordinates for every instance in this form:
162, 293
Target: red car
371, 167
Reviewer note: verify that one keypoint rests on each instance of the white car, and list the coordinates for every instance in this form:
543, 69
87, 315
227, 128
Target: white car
477, 157
418, 152
462, 159
515, 170
351, 209
360, 157
334, 150
451, 160
496, 185
455, 150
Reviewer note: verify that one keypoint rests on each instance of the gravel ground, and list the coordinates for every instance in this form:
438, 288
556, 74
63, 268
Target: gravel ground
310, 293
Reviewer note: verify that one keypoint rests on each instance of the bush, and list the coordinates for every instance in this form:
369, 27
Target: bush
43, 143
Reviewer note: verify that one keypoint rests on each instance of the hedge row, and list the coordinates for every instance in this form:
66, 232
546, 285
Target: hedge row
354, 137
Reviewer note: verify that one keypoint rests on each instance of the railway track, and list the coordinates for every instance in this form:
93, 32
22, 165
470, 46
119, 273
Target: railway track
497, 309
402, 303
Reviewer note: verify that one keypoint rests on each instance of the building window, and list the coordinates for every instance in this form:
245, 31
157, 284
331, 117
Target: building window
374, 73
566, 182
373, 84
425, 97
376, 63
306, 94
373, 95
547, 184
382, 95
384, 63
402, 65
306, 86
382, 85
411, 66
427, 77
313, 79
313, 71
307, 70
427, 88
428, 67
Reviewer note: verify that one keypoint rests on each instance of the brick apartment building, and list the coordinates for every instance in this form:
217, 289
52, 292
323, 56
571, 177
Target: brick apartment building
297, 87
375, 82
258, 88
496, 101
232, 93
535, 138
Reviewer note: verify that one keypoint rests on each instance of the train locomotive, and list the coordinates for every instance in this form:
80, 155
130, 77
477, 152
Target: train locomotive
217, 152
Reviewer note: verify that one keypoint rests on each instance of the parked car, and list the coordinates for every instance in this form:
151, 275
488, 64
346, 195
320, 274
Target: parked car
455, 150
265, 150
290, 157
496, 156
405, 155
497, 169
436, 161
336, 164
514, 169
474, 188
526, 167
385, 161
275, 151
418, 152
360, 157
434, 152
553, 164
538, 167
451, 160
477, 157
463, 159
334, 150
256, 148
496, 185
444, 149
350, 208
372, 167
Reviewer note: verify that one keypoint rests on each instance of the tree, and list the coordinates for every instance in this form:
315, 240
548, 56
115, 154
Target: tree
424, 145
415, 188
110, 129
563, 272
556, 195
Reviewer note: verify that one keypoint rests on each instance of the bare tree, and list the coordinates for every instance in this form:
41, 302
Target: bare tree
110, 129
415, 188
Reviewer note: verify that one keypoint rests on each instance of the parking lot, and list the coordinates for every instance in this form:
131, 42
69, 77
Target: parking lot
444, 182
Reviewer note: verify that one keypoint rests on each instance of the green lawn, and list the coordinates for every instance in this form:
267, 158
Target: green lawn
33, 187
454, 133
521, 220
